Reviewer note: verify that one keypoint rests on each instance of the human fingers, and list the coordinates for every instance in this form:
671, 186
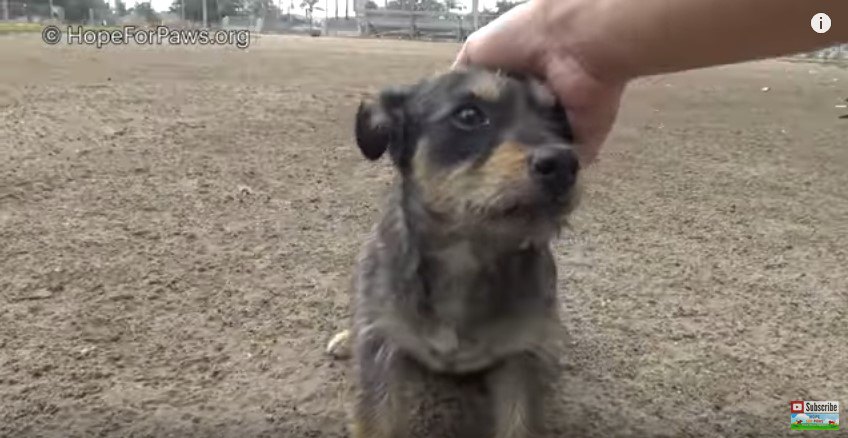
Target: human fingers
461, 58
591, 107
510, 42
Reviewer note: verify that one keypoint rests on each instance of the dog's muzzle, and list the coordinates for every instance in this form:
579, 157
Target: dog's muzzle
554, 168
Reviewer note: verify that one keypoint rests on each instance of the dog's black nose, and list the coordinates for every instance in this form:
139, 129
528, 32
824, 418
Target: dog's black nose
555, 167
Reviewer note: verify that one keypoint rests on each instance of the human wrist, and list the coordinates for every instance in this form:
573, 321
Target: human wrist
574, 30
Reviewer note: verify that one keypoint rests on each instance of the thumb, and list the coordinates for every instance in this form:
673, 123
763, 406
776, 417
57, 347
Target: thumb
461, 58
590, 105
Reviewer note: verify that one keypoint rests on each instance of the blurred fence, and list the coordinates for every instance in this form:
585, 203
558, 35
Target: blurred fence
272, 23
362, 22
342, 27
418, 24
374, 23
21, 11
379, 22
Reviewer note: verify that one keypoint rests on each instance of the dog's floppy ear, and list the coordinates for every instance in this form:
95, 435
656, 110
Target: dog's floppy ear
377, 121
373, 130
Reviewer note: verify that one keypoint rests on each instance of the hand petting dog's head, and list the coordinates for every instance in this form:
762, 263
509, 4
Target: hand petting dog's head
477, 147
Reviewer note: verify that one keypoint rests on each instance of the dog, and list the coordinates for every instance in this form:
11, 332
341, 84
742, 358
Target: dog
455, 328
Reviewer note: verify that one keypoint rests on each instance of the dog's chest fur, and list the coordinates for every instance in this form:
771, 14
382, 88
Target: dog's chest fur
458, 305
451, 289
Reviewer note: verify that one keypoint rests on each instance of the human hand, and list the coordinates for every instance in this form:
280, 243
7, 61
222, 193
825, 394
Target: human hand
519, 41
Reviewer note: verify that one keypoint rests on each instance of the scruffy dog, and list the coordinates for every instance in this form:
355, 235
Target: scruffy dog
455, 322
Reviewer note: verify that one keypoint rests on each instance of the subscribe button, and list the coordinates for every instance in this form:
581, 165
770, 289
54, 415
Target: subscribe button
814, 415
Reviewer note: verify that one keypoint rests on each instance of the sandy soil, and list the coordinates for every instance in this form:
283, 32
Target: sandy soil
178, 226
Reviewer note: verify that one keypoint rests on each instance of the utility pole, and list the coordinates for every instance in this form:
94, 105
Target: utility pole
6, 9
206, 16
411, 20
475, 5
347, 9
182, 10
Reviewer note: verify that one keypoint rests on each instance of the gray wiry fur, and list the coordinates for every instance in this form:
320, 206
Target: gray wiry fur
453, 329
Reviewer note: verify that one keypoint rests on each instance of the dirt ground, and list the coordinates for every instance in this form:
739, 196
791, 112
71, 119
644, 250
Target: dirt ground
178, 226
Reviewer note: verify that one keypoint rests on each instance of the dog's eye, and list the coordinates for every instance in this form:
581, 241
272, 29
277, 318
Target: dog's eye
470, 117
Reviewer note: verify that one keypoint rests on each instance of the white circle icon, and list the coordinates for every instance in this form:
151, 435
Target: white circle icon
820, 22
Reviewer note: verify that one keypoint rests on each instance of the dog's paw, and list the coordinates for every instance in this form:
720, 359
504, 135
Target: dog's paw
339, 346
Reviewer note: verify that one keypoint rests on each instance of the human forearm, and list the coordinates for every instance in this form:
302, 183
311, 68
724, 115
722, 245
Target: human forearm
623, 39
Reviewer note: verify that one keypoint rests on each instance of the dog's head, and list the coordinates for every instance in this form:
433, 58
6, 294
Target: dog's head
476, 147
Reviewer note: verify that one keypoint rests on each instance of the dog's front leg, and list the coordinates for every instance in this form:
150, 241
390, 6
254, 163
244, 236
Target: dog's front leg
381, 413
381, 408
518, 389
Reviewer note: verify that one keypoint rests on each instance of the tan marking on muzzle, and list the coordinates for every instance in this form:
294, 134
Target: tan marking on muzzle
467, 187
508, 163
